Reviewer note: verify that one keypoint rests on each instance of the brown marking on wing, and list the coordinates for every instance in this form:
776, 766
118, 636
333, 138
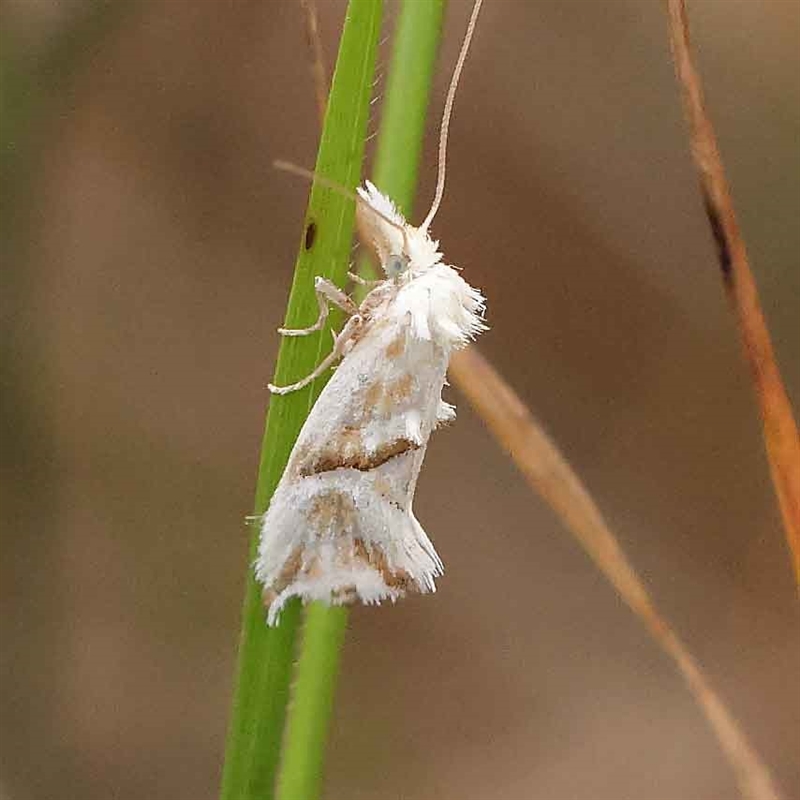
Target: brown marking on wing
347, 444
350, 440
301, 455
401, 388
375, 558
374, 395
384, 398
396, 347
336, 457
349, 550
382, 486
333, 511
287, 574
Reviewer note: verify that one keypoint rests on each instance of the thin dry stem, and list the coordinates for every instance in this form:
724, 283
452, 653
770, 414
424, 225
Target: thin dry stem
319, 71
548, 472
779, 426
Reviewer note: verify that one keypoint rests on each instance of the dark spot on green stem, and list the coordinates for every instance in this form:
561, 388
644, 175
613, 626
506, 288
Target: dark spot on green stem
311, 235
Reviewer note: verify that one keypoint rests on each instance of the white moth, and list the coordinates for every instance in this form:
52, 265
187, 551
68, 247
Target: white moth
340, 525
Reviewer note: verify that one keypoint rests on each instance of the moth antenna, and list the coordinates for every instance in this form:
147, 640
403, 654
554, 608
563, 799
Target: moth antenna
448, 113
315, 177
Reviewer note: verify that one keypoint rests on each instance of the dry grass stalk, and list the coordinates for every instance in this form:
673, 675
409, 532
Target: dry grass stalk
548, 472
780, 429
319, 71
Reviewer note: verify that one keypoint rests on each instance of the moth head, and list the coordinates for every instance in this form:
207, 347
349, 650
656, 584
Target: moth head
402, 249
396, 265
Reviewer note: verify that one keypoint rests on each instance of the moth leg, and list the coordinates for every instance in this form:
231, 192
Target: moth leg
350, 328
362, 281
326, 292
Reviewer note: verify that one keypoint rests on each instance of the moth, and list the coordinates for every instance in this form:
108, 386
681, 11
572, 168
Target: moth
340, 526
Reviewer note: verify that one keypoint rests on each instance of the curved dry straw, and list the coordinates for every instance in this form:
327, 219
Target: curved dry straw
550, 475
781, 437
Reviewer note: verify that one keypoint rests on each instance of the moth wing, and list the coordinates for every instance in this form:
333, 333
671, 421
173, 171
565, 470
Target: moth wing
340, 525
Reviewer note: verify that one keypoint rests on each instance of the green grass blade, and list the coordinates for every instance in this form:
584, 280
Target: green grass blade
405, 105
404, 113
315, 683
397, 161
265, 655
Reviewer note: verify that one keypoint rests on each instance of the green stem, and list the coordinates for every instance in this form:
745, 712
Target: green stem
396, 166
300, 775
265, 654
405, 105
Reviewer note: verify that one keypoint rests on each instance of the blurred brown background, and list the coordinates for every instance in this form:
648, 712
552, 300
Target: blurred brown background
147, 253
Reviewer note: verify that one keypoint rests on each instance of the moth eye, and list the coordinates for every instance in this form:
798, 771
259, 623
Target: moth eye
396, 265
